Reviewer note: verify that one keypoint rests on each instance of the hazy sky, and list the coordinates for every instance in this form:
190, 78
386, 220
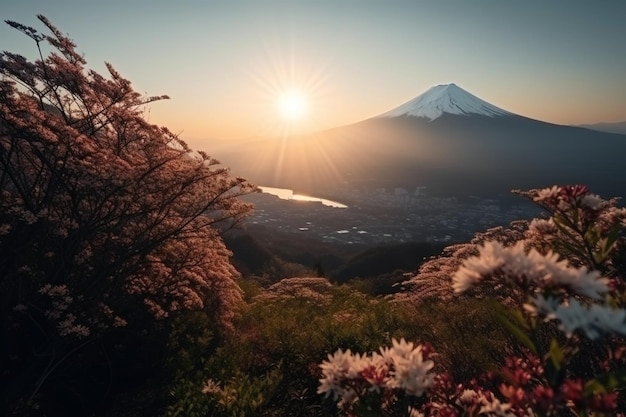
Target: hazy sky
225, 63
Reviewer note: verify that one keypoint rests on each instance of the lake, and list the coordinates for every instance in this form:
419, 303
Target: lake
287, 194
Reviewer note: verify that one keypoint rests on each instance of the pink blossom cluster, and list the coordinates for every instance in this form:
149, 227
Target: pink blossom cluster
581, 225
520, 390
59, 303
433, 277
309, 289
100, 201
525, 387
585, 230
447, 399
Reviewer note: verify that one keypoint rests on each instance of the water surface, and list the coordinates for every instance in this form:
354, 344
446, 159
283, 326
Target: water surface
287, 194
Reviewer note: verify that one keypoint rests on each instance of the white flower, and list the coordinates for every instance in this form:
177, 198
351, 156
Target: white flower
547, 193
592, 201
334, 371
543, 306
414, 413
542, 226
375, 370
573, 317
401, 367
518, 264
357, 364
475, 268
593, 321
410, 370
402, 348
608, 319
579, 280
531, 268
211, 387
468, 396
494, 407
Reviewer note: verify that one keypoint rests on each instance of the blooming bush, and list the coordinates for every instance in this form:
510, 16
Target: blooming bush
103, 216
432, 281
313, 290
379, 383
280, 336
560, 291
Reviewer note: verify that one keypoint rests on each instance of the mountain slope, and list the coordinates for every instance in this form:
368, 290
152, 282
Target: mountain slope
455, 145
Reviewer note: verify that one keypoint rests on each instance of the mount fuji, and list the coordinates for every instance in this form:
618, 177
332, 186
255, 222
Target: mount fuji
445, 98
446, 139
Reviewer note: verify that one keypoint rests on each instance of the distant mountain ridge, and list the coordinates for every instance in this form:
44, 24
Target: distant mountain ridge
446, 139
616, 127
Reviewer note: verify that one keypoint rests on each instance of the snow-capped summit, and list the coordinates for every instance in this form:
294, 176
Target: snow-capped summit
445, 98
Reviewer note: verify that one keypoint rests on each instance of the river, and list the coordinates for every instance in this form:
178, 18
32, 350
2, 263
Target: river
287, 194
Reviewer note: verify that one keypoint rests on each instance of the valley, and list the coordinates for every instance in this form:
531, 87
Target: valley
380, 235
385, 216
434, 170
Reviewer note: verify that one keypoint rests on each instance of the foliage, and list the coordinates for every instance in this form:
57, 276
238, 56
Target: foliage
582, 227
298, 320
432, 280
255, 261
569, 320
286, 329
468, 337
381, 285
281, 334
385, 259
103, 216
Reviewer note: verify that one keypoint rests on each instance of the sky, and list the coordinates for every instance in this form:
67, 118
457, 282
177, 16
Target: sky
226, 64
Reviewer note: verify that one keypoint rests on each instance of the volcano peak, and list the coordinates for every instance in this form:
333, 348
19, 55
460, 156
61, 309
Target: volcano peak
445, 98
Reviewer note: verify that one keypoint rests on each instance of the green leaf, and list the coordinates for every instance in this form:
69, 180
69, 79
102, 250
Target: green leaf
592, 236
556, 354
607, 382
609, 241
515, 323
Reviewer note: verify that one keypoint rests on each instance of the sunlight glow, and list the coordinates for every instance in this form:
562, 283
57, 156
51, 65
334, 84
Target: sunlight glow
294, 90
293, 105
292, 87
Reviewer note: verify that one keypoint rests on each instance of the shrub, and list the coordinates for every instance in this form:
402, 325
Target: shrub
569, 322
103, 216
282, 333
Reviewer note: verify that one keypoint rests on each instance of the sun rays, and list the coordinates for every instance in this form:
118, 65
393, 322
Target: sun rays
293, 105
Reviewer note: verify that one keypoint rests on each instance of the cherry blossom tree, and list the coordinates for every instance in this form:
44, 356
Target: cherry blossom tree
102, 214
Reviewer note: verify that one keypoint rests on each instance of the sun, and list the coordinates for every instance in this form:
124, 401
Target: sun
293, 105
